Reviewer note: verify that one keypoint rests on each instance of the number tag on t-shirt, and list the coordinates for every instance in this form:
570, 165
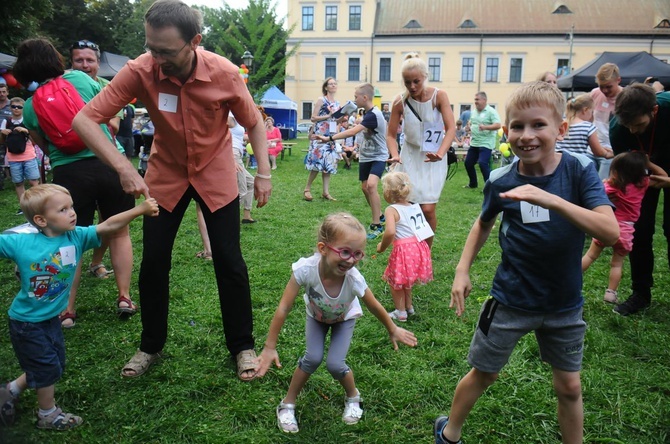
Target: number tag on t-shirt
332, 127
68, 255
420, 226
432, 134
531, 214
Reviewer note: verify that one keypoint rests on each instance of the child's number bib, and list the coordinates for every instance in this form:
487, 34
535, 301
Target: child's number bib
420, 226
432, 134
332, 127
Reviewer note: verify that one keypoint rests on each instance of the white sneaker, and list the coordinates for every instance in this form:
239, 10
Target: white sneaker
400, 316
353, 411
410, 311
286, 418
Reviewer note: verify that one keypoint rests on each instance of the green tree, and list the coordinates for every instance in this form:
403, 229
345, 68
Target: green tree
230, 32
21, 19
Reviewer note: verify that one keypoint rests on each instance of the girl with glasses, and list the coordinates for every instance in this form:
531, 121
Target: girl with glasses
332, 289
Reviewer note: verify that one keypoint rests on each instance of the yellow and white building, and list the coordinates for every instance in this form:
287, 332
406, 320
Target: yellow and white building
469, 45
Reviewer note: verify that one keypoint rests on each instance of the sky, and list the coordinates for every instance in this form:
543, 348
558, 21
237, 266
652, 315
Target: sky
237, 4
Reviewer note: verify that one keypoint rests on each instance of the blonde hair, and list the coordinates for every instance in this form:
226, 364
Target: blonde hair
35, 199
545, 75
537, 93
17, 100
607, 72
366, 89
412, 61
577, 104
396, 186
335, 224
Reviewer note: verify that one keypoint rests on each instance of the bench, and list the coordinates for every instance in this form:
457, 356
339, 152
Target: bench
287, 146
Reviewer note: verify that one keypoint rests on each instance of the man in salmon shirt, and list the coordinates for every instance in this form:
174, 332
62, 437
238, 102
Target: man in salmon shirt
189, 93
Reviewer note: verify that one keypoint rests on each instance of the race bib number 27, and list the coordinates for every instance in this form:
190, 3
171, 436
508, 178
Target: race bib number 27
432, 135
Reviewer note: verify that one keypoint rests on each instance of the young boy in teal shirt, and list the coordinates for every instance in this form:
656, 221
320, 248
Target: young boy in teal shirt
548, 201
47, 261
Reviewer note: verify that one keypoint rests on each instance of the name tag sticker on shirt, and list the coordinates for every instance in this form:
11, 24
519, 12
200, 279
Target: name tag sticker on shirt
68, 255
432, 135
605, 105
167, 102
332, 127
531, 214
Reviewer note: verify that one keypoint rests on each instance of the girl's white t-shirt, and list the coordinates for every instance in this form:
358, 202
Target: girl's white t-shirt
319, 304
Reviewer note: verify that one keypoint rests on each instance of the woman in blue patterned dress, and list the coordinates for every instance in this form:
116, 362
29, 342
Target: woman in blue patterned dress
323, 157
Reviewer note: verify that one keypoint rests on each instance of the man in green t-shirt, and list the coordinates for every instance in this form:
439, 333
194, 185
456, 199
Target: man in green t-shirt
484, 123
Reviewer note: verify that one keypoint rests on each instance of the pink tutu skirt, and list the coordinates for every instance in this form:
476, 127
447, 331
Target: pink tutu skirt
409, 263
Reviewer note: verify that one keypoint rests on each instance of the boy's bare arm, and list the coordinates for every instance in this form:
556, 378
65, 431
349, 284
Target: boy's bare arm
598, 222
149, 208
462, 286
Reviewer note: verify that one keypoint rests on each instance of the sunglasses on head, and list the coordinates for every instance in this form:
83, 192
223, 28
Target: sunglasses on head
83, 44
16, 106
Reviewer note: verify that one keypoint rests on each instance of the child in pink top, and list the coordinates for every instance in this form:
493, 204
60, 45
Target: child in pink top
407, 228
625, 187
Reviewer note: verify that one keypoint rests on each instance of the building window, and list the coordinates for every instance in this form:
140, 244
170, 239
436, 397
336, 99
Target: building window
492, 69
468, 69
385, 69
331, 18
354, 70
306, 110
308, 18
354, 18
562, 67
515, 67
434, 68
331, 67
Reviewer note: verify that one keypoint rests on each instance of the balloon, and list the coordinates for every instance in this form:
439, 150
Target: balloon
504, 149
243, 66
9, 78
2, 81
3, 70
500, 132
33, 86
133, 101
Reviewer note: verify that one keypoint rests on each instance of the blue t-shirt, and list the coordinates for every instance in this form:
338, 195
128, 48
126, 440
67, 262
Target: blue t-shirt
541, 267
47, 266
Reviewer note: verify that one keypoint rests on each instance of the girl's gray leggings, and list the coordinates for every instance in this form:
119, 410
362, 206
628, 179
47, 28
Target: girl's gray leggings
340, 340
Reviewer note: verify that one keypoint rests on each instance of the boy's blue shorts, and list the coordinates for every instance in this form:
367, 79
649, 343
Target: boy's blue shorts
25, 170
40, 349
559, 335
365, 169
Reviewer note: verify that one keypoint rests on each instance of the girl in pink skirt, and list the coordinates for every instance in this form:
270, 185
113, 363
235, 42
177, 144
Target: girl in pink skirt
407, 229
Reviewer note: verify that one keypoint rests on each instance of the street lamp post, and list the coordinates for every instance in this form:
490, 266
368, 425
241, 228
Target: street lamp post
248, 60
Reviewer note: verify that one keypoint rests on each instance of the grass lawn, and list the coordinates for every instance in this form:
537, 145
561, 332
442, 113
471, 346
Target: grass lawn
194, 396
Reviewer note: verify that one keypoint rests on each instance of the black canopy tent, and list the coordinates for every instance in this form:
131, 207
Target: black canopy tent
633, 66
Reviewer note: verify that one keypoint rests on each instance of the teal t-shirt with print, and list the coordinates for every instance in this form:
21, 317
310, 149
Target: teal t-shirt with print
47, 266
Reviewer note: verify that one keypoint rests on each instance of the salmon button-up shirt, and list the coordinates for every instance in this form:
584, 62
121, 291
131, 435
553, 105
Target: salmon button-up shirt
192, 144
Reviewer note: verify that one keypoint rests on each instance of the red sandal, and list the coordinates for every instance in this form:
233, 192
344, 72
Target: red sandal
127, 311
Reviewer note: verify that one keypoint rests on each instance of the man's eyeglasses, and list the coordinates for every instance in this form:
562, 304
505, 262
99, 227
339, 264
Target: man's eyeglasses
16, 106
346, 254
165, 53
83, 44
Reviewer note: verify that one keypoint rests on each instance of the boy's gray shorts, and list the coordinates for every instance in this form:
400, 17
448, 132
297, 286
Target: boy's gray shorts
559, 335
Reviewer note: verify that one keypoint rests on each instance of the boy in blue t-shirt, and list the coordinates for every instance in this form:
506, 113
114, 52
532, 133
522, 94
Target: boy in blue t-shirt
47, 261
548, 200
372, 155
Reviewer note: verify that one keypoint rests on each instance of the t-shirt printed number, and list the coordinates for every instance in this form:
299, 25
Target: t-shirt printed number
531, 214
432, 134
420, 226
